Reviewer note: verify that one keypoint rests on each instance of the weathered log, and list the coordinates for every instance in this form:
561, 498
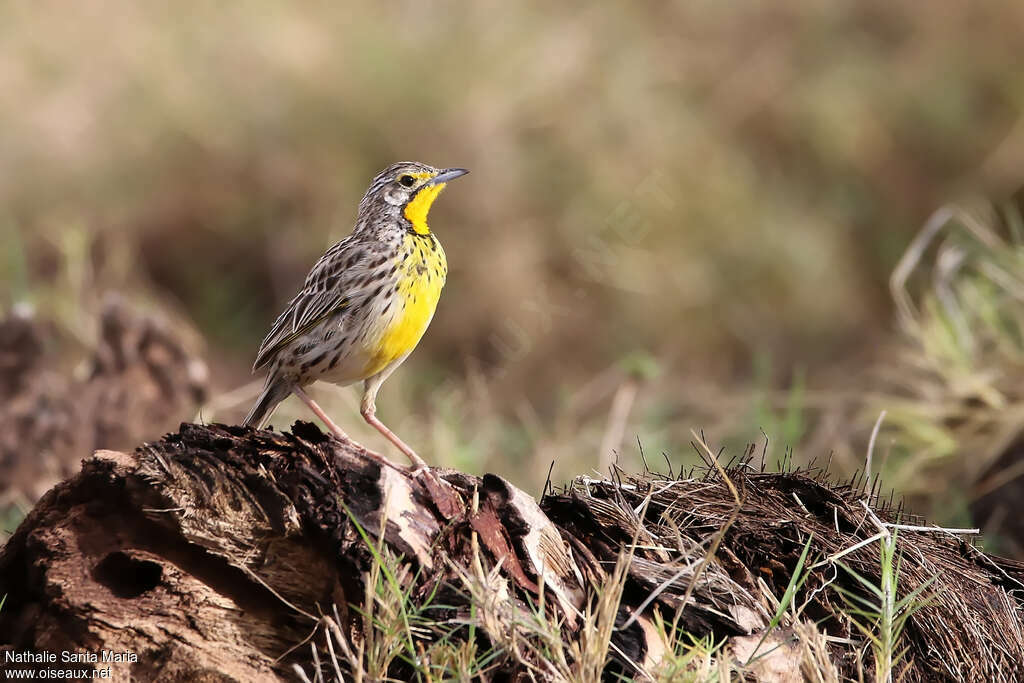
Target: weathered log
225, 553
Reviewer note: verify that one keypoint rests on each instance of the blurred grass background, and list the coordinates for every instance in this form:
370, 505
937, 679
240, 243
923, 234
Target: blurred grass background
680, 215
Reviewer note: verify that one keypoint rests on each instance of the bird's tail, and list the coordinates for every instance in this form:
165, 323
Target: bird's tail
274, 391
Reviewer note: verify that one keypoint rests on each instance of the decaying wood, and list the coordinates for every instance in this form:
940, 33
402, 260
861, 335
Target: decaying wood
216, 553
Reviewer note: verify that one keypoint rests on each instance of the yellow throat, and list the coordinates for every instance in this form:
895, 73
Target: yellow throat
419, 206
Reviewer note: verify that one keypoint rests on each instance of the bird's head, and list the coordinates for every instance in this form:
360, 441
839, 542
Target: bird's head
408, 188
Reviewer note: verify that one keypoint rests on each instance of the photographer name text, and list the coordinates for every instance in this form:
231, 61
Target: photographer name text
70, 656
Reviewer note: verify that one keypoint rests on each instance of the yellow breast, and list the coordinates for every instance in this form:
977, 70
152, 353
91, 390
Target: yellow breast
421, 275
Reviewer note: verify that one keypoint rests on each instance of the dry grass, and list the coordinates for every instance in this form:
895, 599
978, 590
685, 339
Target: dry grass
869, 596
955, 404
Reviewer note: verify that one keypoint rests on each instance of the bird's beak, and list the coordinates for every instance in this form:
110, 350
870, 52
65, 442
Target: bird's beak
446, 175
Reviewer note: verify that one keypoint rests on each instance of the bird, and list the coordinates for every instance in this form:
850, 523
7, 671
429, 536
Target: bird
365, 305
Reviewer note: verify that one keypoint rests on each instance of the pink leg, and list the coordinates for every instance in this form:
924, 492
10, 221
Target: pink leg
319, 412
393, 438
369, 410
339, 433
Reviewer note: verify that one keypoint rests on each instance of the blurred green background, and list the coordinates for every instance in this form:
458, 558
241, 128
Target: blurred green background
680, 215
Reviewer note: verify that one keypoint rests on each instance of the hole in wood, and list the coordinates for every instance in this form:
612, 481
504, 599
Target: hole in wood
127, 577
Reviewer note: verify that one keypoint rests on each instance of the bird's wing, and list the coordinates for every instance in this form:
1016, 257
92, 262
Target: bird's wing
342, 276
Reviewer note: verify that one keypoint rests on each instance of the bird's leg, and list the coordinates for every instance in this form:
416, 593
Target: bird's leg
340, 434
369, 412
319, 412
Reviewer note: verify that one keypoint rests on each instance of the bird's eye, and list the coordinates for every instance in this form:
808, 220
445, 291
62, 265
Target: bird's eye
407, 180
